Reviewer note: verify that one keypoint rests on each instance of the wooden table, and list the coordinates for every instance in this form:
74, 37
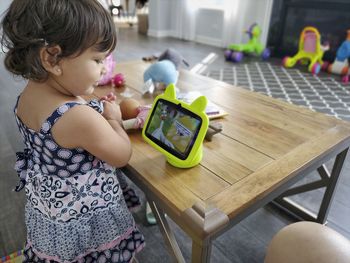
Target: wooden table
266, 146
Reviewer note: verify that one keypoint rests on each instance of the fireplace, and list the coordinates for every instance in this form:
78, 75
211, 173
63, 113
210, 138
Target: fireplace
289, 17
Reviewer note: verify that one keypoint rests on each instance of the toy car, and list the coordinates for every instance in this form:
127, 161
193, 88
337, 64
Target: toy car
310, 51
235, 52
341, 64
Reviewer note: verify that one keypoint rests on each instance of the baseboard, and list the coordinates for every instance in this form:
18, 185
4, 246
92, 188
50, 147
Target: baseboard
200, 39
160, 33
209, 41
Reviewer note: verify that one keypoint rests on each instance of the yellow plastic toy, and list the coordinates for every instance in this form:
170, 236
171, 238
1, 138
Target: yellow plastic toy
177, 129
310, 51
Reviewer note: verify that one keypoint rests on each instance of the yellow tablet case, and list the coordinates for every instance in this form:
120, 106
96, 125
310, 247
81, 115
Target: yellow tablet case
197, 111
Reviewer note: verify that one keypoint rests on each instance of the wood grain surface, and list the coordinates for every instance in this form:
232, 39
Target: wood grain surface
264, 143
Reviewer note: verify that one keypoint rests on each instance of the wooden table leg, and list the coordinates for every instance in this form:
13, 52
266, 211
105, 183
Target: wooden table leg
201, 222
331, 187
201, 251
167, 233
328, 181
205, 221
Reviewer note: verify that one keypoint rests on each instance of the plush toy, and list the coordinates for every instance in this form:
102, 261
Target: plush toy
133, 113
128, 108
139, 121
109, 77
165, 70
118, 80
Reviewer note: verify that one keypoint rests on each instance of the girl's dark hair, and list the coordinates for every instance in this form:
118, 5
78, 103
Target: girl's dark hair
74, 25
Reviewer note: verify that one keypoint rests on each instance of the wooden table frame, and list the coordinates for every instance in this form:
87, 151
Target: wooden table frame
327, 181
201, 249
266, 146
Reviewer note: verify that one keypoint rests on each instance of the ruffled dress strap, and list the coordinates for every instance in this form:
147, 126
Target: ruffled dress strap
96, 105
23, 160
58, 113
16, 105
20, 125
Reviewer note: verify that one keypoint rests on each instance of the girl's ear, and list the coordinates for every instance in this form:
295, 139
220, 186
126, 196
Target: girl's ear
48, 56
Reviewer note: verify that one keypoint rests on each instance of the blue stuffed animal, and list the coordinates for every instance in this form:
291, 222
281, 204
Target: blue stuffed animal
165, 70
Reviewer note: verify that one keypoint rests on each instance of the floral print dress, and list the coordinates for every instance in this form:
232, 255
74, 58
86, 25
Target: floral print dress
77, 206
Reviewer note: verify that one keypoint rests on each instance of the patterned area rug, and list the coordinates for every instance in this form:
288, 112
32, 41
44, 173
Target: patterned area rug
323, 93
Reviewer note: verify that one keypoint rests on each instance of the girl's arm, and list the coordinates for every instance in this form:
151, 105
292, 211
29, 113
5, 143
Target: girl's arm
102, 136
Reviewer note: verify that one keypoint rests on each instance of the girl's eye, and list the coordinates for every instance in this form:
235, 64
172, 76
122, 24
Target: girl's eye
99, 61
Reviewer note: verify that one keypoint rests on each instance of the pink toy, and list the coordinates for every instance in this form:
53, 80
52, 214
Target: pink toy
119, 80
109, 64
109, 78
139, 121
310, 51
130, 109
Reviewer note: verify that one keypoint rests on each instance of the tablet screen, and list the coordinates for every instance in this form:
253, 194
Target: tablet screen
173, 128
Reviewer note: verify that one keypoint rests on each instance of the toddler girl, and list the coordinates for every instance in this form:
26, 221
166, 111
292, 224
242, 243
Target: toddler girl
75, 211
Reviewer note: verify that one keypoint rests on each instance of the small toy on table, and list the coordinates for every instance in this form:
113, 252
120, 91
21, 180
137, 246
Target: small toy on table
118, 80
109, 77
164, 71
235, 52
213, 128
310, 51
133, 113
341, 63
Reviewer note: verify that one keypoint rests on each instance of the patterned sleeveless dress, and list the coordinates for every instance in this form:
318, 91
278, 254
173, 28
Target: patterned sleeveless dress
77, 206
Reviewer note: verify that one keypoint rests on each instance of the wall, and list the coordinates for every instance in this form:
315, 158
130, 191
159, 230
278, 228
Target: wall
160, 18
259, 11
4, 4
208, 26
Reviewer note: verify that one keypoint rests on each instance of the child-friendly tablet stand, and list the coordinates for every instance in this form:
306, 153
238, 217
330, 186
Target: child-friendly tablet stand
177, 129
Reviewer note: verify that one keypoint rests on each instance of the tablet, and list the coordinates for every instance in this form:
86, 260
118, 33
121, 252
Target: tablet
173, 127
177, 129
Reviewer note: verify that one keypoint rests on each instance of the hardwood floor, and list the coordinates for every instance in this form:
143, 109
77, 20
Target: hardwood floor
246, 242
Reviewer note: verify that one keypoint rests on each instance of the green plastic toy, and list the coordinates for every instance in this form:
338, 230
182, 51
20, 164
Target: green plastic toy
177, 129
310, 51
235, 52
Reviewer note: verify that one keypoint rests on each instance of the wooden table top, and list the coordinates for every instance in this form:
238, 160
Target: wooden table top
264, 143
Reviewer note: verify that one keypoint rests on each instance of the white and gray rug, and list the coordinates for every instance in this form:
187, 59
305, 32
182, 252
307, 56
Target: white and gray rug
323, 93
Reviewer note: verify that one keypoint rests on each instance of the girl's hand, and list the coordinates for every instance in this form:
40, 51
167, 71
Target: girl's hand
111, 111
109, 97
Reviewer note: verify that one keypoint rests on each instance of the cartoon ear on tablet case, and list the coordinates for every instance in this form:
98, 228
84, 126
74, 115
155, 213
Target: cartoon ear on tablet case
177, 129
